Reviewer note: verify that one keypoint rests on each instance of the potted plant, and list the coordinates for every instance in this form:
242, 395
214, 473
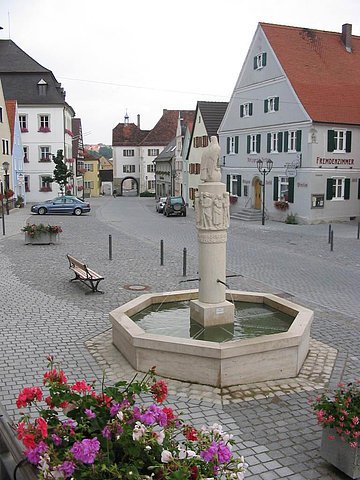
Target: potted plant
19, 202
339, 415
40, 234
81, 433
281, 205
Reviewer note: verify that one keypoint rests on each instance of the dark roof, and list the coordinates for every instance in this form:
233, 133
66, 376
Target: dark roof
324, 75
106, 175
128, 135
166, 127
20, 75
212, 114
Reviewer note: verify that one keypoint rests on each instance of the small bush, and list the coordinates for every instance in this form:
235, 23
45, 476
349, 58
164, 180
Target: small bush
147, 194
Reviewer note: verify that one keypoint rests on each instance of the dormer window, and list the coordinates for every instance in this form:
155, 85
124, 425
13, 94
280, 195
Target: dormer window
260, 61
42, 87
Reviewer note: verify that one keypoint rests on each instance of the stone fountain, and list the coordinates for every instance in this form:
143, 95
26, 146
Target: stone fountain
221, 364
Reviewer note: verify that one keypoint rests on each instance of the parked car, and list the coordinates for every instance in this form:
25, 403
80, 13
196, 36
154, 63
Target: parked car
160, 203
64, 204
175, 206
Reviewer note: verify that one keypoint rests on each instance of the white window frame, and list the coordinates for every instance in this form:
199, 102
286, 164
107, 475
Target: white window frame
274, 145
129, 153
153, 152
246, 109
150, 168
44, 149
283, 187
128, 168
232, 146
292, 141
44, 121
271, 104
23, 121
340, 141
150, 185
338, 189
89, 167
253, 144
1, 115
233, 185
5, 146
259, 61
26, 154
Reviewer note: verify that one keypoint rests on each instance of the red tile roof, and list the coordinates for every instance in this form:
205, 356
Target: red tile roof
129, 134
11, 111
324, 75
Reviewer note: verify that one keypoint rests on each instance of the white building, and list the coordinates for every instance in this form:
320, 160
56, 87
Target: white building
296, 104
44, 116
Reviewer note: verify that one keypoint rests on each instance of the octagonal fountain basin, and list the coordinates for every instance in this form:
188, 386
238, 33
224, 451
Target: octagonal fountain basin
267, 342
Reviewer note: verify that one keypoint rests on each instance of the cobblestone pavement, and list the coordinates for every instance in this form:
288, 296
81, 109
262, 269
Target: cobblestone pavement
42, 313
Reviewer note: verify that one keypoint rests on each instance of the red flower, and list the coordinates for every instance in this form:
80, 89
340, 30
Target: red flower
169, 413
29, 440
159, 390
81, 386
194, 472
41, 427
28, 395
55, 377
190, 433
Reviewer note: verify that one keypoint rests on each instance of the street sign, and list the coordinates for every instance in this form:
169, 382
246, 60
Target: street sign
20, 178
291, 172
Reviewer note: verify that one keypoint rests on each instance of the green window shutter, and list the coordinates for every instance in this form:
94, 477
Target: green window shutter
329, 188
241, 111
266, 106
228, 183
276, 104
348, 141
347, 189
236, 144
268, 143
298, 141
228, 145
286, 141
238, 185
255, 63
276, 189
358, 188
331, 141
248, 140
258, 142
280, 141
250, 108
291, 189
264, 59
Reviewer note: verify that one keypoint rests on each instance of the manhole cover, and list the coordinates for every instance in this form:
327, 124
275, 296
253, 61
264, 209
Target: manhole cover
137, 288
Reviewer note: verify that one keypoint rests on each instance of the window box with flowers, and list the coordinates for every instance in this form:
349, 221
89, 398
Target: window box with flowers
233, 199
45, 189
339, 415
40, 234
282, 205
81, 433
24, 130
44, 129
45, 159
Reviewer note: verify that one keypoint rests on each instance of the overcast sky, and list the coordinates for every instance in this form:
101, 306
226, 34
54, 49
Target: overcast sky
114, 56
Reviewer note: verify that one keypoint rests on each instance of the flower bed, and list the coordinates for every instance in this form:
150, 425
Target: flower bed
34, 230
80, 433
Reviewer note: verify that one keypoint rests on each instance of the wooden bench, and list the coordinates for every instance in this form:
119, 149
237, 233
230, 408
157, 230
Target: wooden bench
87, 276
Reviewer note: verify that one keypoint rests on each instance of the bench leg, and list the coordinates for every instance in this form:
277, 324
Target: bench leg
94, 287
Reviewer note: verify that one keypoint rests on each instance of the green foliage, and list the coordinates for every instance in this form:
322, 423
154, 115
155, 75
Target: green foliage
61, 172
106, 152
147, 194
291, 219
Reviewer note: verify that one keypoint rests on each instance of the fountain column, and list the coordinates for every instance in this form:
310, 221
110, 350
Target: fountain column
212, 221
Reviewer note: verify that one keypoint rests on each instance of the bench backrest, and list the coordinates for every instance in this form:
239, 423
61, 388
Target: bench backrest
76, 263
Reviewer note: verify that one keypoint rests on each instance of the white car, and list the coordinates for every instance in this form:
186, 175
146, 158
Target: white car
160, 203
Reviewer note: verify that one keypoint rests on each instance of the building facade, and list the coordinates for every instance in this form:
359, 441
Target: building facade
296, 104
44, 117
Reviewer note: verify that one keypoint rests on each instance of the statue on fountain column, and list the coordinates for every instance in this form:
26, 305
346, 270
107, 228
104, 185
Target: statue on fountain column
210, 169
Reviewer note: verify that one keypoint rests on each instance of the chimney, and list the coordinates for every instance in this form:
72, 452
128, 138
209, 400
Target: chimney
346, 36
138, 120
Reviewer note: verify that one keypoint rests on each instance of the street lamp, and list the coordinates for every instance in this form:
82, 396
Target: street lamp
6, 166
264, 169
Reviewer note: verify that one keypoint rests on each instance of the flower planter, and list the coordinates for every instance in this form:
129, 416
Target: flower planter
340, 454
42, 239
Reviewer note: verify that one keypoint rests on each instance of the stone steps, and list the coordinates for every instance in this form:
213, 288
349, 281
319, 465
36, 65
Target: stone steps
247, 215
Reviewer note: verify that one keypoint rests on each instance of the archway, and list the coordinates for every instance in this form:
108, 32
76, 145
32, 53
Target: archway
129, 187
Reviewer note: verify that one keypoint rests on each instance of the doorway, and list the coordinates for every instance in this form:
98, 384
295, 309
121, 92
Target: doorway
257, 190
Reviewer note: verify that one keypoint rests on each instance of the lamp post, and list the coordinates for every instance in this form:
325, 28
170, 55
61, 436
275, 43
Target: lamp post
264, 169
2, 207
6, 178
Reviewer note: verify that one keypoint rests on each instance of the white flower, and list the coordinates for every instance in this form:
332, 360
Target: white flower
139, 431
182, 453
191, 453
166, 456
159, 437
147, 447
216, 428
120, 415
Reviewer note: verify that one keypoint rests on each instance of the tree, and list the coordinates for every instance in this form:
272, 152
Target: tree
61, 171
105, 151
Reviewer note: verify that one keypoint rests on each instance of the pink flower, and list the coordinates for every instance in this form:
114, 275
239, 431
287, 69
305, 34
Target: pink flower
139, 431
166, 456
86, 450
